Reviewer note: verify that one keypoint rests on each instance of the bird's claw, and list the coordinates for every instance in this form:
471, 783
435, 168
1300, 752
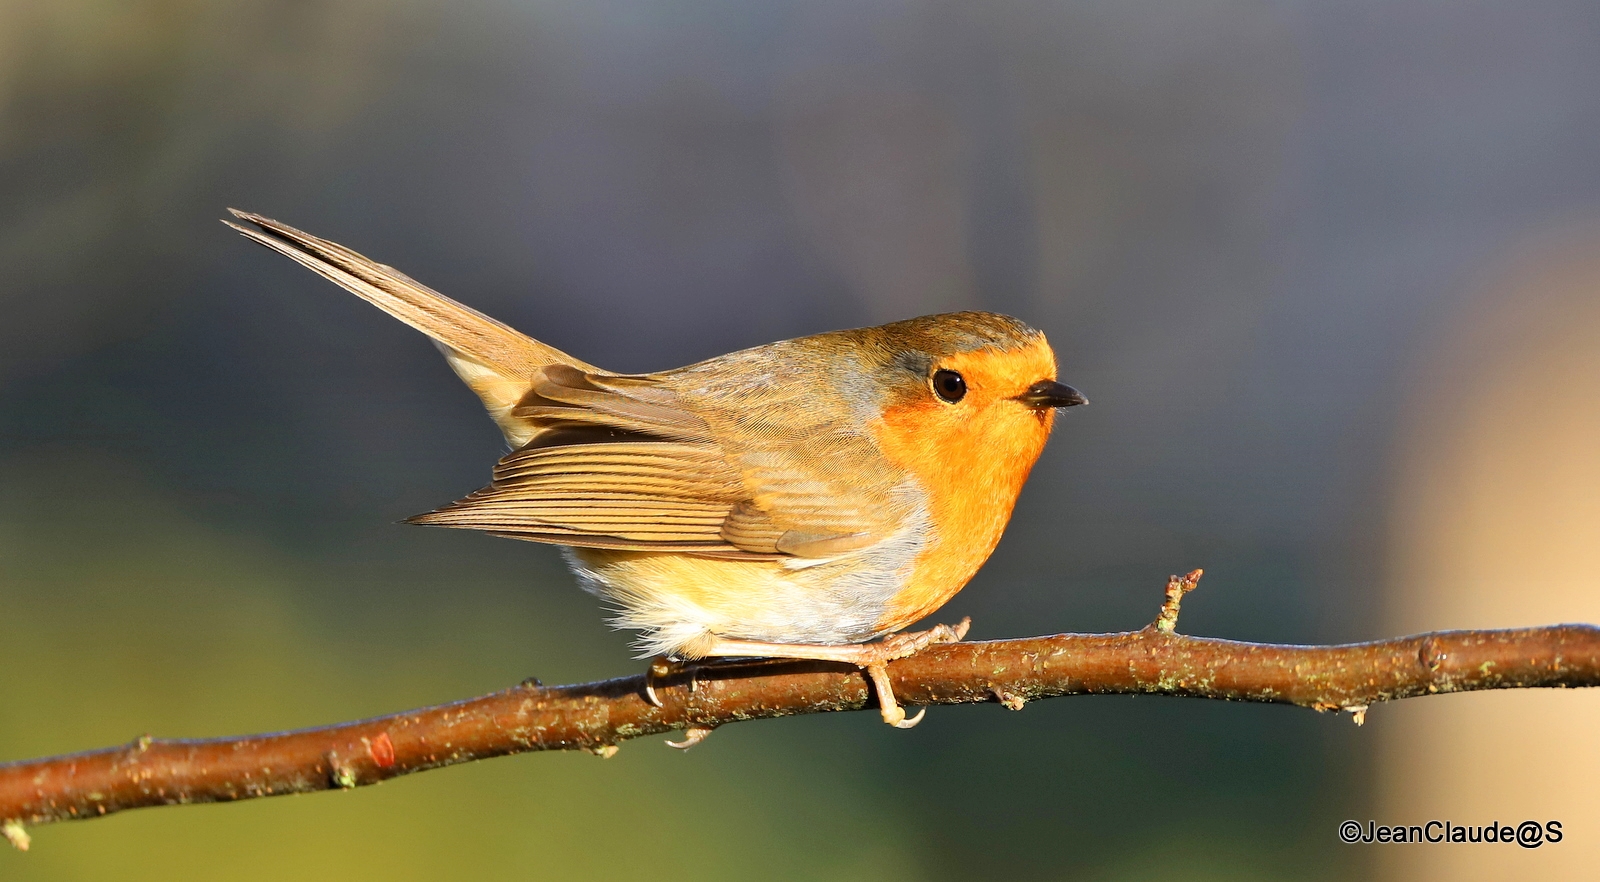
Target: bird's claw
897, 646
954, 633
904, 723
691, 736
660, 668
893, 713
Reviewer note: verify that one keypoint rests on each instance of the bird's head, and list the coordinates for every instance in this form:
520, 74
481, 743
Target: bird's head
962, 368
966, 395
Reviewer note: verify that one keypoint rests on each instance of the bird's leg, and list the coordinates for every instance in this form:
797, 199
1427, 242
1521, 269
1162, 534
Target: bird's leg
873, 658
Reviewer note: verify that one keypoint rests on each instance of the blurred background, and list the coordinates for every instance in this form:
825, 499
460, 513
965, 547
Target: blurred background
1330, 273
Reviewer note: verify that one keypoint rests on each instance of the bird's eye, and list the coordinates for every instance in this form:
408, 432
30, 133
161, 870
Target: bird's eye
949, 386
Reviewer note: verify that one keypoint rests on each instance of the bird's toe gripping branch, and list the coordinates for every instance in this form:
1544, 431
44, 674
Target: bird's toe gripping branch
663, 668
872, 658
876, 658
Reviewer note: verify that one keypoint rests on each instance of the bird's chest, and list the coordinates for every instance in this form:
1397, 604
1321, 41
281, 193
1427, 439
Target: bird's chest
970, 480
967, 527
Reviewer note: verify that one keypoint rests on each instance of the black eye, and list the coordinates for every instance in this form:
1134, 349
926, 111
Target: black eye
949, 386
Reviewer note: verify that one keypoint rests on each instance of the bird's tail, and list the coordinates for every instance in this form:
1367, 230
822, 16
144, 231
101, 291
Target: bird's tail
499, 363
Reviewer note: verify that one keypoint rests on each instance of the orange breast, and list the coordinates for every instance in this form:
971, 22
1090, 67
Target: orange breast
972, 463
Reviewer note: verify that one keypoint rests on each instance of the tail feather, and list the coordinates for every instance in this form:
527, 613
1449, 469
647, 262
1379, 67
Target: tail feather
498, 362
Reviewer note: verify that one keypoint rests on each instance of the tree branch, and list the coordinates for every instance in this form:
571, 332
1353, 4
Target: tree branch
598, 716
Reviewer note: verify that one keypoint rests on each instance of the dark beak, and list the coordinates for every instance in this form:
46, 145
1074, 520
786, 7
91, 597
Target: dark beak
1049, 393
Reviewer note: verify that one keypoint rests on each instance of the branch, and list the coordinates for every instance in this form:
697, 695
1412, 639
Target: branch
698, 698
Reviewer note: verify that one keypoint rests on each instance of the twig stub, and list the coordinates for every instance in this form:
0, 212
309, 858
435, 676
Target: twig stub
1177, 586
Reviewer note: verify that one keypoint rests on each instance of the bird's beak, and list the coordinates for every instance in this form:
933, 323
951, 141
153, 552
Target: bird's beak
1049, 393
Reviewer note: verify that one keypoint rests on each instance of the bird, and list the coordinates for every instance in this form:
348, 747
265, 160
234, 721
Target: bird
804, 499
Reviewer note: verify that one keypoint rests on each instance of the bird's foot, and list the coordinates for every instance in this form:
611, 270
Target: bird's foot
893, 713
902, 645
662, 668
896, 646
872, 658
691, 736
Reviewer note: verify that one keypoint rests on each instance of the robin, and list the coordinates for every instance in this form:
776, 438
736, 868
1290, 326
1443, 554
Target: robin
795, 500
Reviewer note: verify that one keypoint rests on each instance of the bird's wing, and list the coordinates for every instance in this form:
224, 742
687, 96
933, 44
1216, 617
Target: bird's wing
622, 462
642, 496
817, 497
495, 360
657, 496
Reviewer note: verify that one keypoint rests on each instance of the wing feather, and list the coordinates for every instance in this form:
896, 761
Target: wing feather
647, 496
